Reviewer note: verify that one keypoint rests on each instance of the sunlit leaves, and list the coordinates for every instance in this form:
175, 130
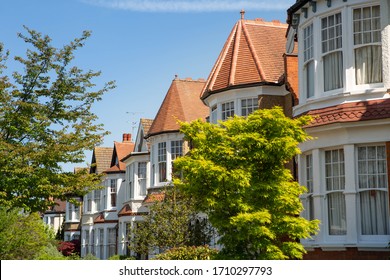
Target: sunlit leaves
237, 171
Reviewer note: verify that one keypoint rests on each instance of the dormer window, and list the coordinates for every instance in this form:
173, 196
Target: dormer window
367, 44
332, 55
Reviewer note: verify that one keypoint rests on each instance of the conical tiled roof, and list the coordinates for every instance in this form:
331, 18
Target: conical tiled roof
180, 103
252, 55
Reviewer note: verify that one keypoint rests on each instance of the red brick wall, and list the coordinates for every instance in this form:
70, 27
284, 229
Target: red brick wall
348, 254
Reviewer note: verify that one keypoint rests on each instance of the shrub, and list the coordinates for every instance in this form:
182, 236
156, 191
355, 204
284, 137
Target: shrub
68, 248
188, 253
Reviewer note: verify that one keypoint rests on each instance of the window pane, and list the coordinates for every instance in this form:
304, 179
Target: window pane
333, 71
337, 214
374, 212
368, 59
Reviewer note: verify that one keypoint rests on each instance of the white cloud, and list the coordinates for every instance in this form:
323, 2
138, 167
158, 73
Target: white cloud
192, 6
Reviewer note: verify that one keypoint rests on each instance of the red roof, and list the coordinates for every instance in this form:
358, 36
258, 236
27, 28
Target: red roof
252, 54
180, 103
121, 150
351, 112
126, 211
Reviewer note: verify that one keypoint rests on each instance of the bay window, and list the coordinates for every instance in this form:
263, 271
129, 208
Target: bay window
335, 186
332, 55
373, 190
367, 43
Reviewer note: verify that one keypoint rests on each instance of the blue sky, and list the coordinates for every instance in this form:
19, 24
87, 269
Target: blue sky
141, 44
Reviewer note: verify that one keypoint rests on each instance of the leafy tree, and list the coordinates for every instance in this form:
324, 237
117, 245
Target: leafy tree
46, 120
172, 222
237, 172
23, 236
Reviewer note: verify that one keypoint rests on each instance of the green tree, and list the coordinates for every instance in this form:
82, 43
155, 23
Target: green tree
46, 120
237, 171
23, 236
172, 222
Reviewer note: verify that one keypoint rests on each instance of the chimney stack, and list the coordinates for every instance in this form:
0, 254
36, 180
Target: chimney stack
126, 137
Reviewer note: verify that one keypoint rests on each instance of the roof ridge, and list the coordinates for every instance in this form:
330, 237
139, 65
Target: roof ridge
272, 23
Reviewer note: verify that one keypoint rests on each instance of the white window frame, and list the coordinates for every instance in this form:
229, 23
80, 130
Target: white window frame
307, 198
111, 242
249, 105
214, 114
360, 45
334, 188
308, 60
331, 47
162, 162
113, 193
370, 188
227, 110
141, 174
97, 198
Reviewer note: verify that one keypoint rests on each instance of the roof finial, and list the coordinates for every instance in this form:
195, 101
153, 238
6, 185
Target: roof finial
242, 13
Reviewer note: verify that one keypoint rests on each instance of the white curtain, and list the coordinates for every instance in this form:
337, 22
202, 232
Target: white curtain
333, 70
337, 214
374, 216
310, 79
368, 63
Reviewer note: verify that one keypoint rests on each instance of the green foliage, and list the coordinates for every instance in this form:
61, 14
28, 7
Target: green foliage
237, 173
23, 236
188, 253
50, 252
120, 257
171, 222
46, 120
90, 257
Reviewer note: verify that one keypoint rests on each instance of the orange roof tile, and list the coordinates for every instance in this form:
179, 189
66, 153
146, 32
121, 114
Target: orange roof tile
153, 197
100, 220
351, 112
252, 54
126, 211
146, 124
180, 103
